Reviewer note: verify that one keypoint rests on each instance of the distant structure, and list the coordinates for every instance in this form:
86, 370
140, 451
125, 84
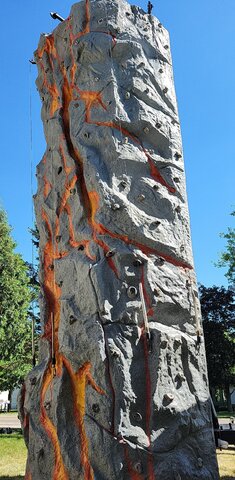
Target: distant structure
120, 391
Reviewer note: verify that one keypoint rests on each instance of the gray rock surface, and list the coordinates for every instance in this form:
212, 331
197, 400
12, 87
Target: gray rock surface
120, 391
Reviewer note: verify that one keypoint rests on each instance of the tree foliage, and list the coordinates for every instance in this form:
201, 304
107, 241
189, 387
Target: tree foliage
218, 313
15, 298
227, 258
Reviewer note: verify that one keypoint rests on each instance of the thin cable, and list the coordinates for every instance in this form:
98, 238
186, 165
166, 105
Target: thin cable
32, 208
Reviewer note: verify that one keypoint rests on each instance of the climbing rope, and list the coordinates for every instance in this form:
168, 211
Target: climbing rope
32, 209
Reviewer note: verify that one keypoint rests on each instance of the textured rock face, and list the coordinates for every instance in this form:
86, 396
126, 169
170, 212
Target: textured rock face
121, 389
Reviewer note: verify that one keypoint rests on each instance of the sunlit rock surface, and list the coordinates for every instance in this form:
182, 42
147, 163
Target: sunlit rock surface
116, 394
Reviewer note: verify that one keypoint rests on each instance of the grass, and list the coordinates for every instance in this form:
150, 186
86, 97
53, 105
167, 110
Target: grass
13, 459
225, 414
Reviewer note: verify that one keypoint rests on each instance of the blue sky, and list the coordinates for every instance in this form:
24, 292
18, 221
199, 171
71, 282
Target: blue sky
203, 46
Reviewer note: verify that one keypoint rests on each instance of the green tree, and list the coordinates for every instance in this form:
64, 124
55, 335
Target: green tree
15, 325
218, 314
227, 258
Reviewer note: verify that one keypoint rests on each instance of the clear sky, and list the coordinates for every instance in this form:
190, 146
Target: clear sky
203, 46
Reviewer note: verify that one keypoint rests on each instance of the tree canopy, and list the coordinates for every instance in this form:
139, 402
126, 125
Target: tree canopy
218, 313
15, 298
227, 258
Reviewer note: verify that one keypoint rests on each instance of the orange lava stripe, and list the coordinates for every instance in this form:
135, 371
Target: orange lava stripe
79, 381
59, 470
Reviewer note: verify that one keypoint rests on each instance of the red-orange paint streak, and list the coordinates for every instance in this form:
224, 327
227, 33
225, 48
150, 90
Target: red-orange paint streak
49, 48
90, 98
28, 476
132, 469
47, 186
51, 289
59, 470
153, 169
79, 381
101, 230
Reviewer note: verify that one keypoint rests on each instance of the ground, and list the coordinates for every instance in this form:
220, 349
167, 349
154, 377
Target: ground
13, 458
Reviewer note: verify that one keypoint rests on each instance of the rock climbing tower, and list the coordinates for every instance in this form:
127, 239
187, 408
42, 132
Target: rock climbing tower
120, 391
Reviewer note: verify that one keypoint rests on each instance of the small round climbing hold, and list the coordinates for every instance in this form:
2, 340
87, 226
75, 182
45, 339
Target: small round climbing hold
156, 186
165, 90
158, 124
58, 238
146, 129
200, 462
47, 405
176, 179
159, 261
160, 70
141, 197
166, 47
177, 155
95, 408
81, 248
127, 95
137, 416
123, 183
178, 209
160, 25
100, 20
132, 292
86, 134
115, 206
125, 140
169, 397
182, 248
59, 170
110, 253
138, 467
72, 191
72, 319
97, 79
137, 262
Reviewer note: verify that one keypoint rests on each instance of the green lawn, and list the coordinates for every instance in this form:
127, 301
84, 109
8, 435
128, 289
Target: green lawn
13, 459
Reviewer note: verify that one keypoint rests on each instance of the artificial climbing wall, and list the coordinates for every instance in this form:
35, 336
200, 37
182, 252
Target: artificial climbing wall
120, 391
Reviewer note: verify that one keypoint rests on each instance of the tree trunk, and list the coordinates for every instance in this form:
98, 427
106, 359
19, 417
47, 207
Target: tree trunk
228, 398
121, 389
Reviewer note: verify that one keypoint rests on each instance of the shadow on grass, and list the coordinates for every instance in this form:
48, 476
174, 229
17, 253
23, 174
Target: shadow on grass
12, 478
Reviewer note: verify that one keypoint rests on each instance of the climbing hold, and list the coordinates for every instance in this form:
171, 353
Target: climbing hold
137, 262
72, 319
58, 238
47, 405
123, 183
158, 124
165, 90
125, 140
100, 20
33, 380
73, 191
95, 408
127, 95
178, 209
200, 462
51, 267
141, 197
81, 247
132, 292
110, 253
156, 186
159, 261
115, 206
137, 416
59, 170
169, 397
86, 134
181, 248
60, 283
177, 155
138, 467
114, 352
160, 25
160, 70
166, 47
146, 129
163, 344
56, 16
